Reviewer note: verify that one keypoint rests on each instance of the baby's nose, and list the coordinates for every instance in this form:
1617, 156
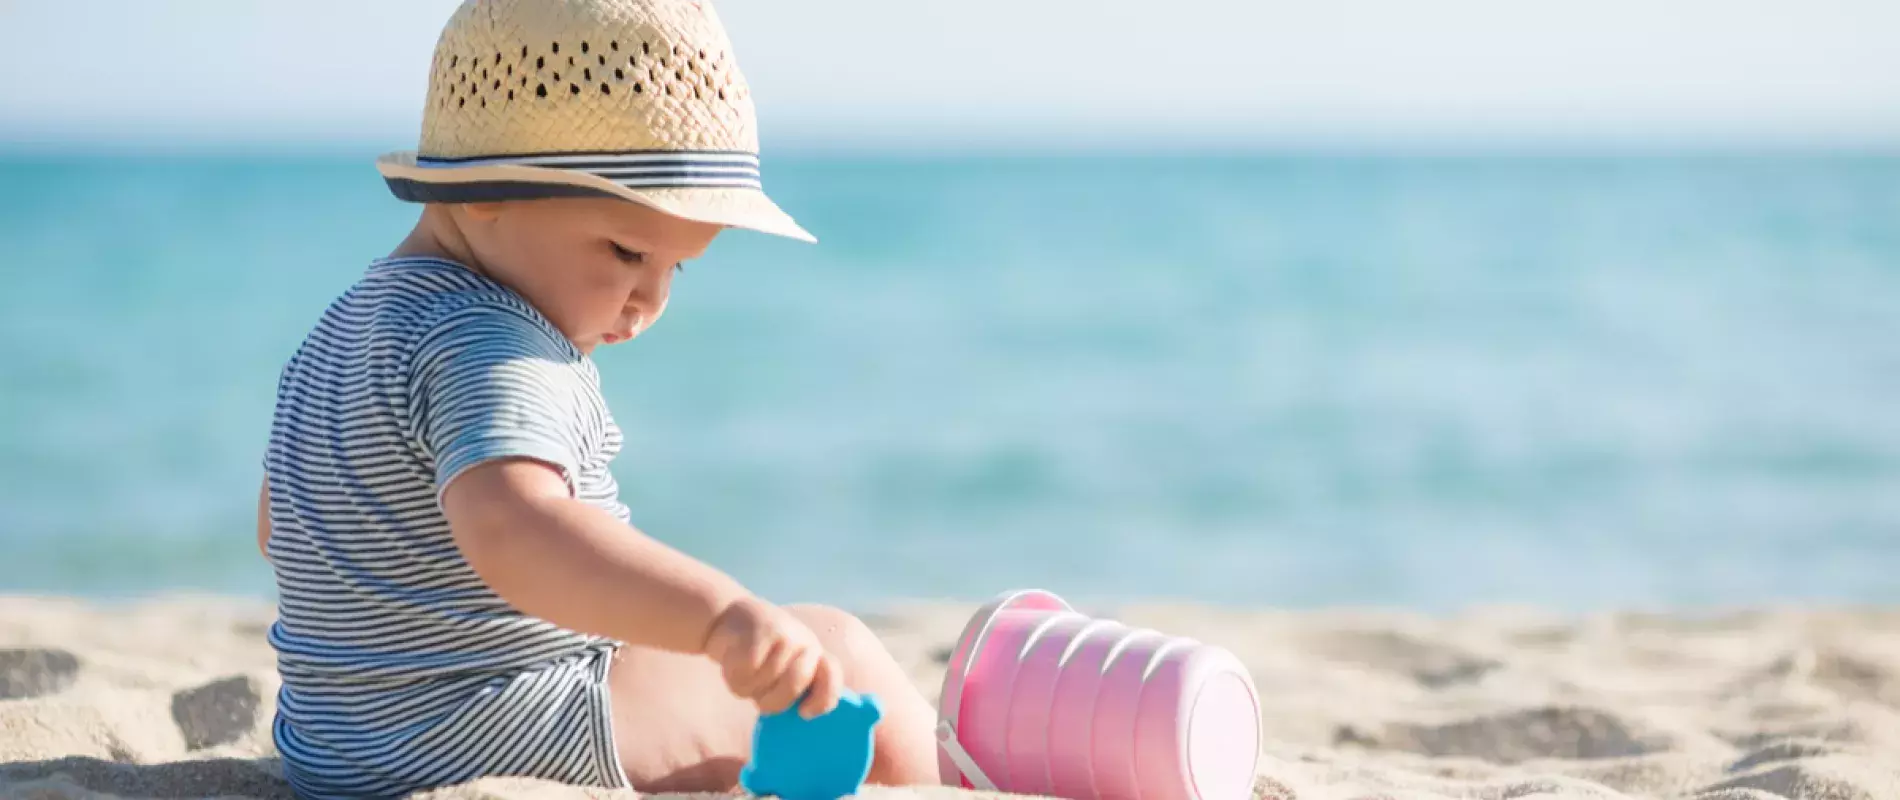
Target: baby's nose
628, 324
649, 295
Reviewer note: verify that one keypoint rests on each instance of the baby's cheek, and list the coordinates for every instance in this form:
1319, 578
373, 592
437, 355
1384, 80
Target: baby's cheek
610, 293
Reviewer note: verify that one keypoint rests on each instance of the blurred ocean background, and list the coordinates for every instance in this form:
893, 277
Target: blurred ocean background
1293, 378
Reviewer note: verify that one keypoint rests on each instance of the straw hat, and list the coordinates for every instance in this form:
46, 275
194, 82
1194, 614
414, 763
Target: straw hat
636, 99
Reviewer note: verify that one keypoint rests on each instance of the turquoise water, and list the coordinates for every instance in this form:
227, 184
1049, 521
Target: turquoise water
1294, 379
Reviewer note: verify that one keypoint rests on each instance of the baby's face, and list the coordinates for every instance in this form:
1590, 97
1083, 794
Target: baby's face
599, 269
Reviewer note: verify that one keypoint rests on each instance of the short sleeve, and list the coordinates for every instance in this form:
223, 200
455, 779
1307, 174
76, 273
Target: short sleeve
486, 383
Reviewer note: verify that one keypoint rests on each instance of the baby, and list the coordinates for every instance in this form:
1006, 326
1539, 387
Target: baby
461, 594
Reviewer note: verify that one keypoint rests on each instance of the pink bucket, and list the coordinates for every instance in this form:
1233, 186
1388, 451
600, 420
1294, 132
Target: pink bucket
1043, 700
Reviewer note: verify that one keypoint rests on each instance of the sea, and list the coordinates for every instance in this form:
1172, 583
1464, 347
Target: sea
1285, 379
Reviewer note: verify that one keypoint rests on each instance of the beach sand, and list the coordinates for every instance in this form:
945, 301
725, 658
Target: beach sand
173, 697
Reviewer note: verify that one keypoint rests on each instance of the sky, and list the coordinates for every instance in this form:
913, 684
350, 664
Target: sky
903, 73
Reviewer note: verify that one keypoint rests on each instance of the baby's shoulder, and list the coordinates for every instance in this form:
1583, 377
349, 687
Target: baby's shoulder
429, 301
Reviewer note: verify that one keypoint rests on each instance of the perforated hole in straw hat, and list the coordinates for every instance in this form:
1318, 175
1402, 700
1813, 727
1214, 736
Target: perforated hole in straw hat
701, 95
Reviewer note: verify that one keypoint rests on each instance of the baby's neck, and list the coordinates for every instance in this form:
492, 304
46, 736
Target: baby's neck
437, 236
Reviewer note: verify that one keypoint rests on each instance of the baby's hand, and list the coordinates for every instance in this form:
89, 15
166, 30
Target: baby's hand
771, 658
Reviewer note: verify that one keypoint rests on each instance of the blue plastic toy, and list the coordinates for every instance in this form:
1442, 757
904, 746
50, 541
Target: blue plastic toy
794, 758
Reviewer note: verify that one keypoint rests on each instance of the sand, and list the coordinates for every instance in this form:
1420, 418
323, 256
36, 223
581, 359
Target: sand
173, 697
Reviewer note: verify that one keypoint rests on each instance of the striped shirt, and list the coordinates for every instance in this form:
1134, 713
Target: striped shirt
401, 669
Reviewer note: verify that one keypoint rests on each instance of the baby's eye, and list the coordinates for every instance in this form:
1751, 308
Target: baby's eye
628, 256
679, 266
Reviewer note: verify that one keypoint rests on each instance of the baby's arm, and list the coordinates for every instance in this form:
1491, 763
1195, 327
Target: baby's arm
569, 562
504, 408
563, 560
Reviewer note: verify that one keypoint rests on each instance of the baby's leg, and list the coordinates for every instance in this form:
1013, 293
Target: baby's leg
679, 729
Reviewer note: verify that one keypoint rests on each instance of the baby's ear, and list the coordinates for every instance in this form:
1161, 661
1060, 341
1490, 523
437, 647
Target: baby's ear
483, 212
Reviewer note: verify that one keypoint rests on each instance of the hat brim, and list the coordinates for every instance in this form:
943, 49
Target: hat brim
735, 207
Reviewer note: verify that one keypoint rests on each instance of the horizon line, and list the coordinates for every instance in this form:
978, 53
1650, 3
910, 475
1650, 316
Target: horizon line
21, 142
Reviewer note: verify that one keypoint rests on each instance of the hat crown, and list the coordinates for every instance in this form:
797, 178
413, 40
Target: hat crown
583, 76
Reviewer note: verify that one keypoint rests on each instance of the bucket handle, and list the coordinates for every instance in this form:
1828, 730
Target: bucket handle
947, 739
